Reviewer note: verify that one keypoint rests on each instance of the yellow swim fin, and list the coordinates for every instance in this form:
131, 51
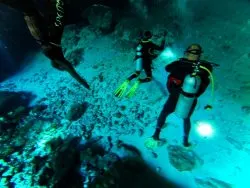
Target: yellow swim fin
133, 89
119, 92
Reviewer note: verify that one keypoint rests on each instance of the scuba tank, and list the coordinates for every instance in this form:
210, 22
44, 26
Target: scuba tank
190, 88
138, 60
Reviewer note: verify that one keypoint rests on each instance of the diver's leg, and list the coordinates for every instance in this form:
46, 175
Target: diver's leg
57, 66
168, 108
138, 63
187, 128
58, 61
148, 70
70, 69
134, 75
120, 91
187, 125
54, 50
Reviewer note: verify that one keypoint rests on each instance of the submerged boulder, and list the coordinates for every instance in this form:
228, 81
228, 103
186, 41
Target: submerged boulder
60, 167
76, 111
100, 16
183, 159
13, 107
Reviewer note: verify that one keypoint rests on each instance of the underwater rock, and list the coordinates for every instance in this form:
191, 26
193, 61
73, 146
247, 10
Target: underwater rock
6, 150
13, 107
246, 109
183, 159
39, 108
100, 16
76, 111
63, 160
128, 30
97, 163
237, 144
70, 38
18, 142
139, 7
10, 101
212, 183
75, 56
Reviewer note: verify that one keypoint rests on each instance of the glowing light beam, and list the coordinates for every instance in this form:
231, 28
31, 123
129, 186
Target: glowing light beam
205, 129
167, 53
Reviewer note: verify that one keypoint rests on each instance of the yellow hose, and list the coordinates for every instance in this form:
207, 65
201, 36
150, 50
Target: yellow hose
212, 82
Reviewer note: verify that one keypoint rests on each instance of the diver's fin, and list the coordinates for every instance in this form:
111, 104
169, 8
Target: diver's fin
151, 143
119, 92
133, 89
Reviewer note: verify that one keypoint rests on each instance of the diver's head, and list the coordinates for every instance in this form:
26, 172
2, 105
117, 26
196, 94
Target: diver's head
147, 35
193, 52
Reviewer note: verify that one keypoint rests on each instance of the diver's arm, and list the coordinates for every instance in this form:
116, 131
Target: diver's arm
178, 65
162, 46
208, 66
159, 48
170, 67
205, 77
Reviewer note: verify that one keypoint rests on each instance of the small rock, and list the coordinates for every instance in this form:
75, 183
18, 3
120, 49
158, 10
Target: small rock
9, 172
39, 108
246, 109
118, 115
123, 107
140, 132
155, 155
76, 111
158, 169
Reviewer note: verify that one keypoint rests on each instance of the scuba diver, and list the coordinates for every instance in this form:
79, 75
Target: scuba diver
188, 79
143, 61
47, 30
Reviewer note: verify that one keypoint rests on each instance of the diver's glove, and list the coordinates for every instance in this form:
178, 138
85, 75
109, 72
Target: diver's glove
119, 92
133, 89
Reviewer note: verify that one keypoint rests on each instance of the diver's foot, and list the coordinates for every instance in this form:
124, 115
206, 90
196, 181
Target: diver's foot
144, 80
152, 143
189, 146
186, 143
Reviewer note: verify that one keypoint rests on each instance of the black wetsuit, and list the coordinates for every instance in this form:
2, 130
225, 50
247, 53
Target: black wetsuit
45, 20
178, 71
147, 55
